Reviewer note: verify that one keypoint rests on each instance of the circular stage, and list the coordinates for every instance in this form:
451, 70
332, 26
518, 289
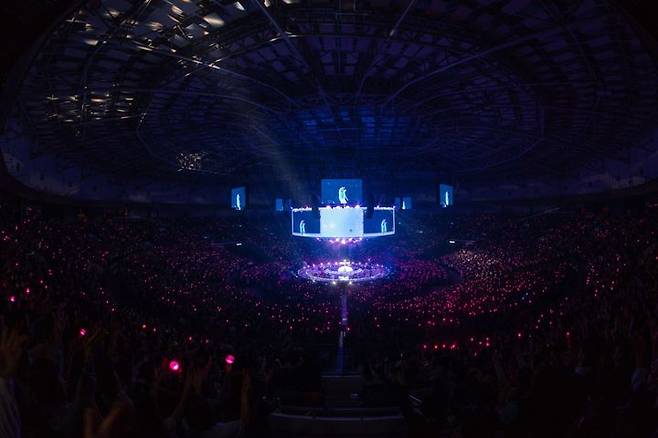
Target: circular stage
344, 271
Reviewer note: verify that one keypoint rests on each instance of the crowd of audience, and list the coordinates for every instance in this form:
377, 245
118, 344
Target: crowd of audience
541, 326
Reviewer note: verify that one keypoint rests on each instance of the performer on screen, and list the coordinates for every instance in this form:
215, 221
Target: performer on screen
237, 202
342, 195
384, 226
447, 198
404, 205
302, 227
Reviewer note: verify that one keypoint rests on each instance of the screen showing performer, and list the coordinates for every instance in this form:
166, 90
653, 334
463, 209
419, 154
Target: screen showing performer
342, 191
238, 198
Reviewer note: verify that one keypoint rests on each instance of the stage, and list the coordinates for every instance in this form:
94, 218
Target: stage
344, 271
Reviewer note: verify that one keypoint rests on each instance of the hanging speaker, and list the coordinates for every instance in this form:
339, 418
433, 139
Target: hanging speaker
371, 206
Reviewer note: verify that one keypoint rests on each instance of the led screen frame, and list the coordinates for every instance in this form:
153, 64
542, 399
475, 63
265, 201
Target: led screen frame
312, 222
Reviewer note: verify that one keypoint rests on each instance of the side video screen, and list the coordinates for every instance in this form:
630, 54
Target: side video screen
238, 198
445, 195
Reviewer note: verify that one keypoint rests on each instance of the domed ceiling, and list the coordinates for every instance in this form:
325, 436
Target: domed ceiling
475, 89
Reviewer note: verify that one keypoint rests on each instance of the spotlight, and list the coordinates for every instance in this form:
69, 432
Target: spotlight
230, 359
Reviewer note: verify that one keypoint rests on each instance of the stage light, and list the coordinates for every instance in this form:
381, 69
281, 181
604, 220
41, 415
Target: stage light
174, 366
230, 359
452, 242
82, 331
12, 299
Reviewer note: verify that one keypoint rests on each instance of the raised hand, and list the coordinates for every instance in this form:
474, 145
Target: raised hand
11, 349
90, 343
59, 325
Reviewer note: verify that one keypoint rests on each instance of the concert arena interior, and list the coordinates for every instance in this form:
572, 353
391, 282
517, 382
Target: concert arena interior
328, 219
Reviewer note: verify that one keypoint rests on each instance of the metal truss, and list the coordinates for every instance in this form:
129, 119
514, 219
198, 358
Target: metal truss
477, 89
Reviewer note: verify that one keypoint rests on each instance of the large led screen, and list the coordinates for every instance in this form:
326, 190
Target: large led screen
342, 191
341, 222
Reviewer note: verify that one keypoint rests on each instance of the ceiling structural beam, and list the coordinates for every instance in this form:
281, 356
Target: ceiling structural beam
283, 34
299, 56
521, 153
558, 19
376, 57
252, 38
282, 116
154, 91
417, 88
133, 13
106, 119
214, 67
471, 58
402, 17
